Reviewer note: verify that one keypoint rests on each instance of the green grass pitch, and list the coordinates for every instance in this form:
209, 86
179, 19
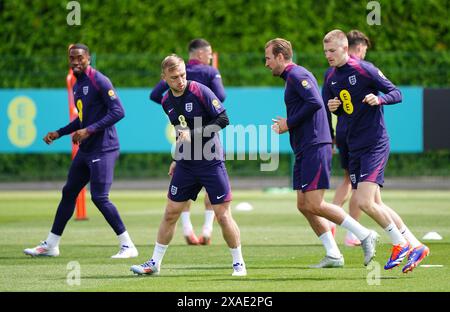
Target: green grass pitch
277, 244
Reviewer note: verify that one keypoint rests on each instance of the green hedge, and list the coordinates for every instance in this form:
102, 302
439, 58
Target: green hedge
131, 37
45, 167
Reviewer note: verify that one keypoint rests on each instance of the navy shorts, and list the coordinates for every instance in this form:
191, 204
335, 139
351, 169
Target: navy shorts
187, 182
367, 164
312, 168
341, 143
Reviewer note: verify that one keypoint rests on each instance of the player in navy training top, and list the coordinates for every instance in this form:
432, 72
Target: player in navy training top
310, 139
358, 43
353, 88
197, 69
198, 116
99, 108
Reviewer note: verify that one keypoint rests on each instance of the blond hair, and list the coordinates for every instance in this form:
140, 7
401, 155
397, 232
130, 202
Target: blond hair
336, 35
280, 45
170, 62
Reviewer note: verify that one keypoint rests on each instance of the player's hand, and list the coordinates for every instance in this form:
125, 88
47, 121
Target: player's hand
280, 125
80, 135
50, 137
184, 136
371, 99
172, 168
333, 104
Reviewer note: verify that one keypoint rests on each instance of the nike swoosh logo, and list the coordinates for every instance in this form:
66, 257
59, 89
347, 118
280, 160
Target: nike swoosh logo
304, 185
363, 175
170, 110
334, 82
95, 160
219, 197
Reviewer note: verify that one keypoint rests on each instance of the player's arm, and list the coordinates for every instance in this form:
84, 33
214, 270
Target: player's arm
74, 125
158, 91
114, 106
392, 94
312, 101
215, 109
217, 86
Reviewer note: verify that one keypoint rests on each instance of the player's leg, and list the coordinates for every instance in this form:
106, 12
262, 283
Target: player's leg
343, 191
165, 234
102, 173
188, 229
371, 175
418, 251
231, 235
207, 229
333, 257
341, 195
307, 172
316, 166
77, 178
350, 239
217, 184
182, 189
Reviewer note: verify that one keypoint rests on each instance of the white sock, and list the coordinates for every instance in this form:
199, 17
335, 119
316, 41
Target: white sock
355, 227
351, 236
125, 240
53, 240
186, 222
237, 255
395, 235
330, 245
209, 220
158, 253
410, 237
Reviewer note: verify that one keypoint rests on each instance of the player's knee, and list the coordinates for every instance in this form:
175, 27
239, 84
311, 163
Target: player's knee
100, 200
301, 207
314, 208
69, 192
364, 204
223, 219
171, 216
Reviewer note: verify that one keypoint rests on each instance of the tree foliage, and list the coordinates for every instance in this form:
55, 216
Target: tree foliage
131, 37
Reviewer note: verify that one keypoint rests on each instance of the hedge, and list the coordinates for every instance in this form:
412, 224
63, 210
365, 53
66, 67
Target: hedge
130, 37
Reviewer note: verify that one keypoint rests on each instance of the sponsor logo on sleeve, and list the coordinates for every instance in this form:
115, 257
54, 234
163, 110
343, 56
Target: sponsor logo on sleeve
112, 94
381, 74
306, 84
216, 103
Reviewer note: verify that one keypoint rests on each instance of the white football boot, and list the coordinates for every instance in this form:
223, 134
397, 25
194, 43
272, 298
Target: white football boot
150, 268
329, 262
239, 269
126, 252
42, 250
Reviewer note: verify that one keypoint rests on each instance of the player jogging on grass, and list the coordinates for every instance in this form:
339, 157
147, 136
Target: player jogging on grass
310, 140
354, 86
